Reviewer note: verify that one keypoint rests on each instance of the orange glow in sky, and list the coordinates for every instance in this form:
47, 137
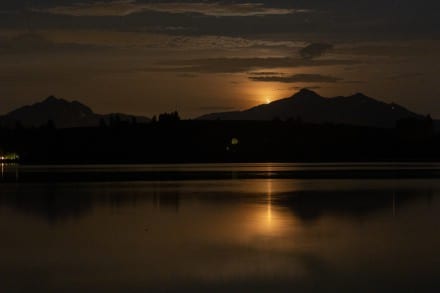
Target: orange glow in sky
256, 94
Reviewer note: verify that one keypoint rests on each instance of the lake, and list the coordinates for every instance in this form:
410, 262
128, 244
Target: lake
220, 228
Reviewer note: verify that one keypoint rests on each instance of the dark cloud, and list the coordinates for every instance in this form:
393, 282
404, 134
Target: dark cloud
128, 7
187, 75
353, 81
315, 50
8, 12
296, 78
392, 49
36, 43
297, 88
406, 76
265, 73
27, 41
339, 19
239, 65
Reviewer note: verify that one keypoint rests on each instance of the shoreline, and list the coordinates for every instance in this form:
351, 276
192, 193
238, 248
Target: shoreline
231, 171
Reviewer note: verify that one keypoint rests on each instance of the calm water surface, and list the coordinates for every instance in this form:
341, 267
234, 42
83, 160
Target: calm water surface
227, 234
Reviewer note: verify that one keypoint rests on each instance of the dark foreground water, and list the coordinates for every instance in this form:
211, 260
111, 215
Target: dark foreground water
234, 233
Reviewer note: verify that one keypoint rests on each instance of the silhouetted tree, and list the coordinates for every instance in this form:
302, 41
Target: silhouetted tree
295, 121
18, 125
276, 119
50, 124
115, 120
102, 123
169, 117
429, 123
415, 127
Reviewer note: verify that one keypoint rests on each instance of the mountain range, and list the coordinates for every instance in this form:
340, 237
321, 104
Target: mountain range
63, 114
308, 106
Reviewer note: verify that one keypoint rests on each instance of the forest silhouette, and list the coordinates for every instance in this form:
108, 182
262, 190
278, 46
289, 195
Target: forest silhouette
168, 139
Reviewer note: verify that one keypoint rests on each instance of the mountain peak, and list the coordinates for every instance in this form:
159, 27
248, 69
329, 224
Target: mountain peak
62, 112
306, 94
57, 104
306, 91
52, 99
359, 95
357, 109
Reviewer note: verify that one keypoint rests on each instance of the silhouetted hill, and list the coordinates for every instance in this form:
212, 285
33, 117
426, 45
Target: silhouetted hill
63, 114
310, 107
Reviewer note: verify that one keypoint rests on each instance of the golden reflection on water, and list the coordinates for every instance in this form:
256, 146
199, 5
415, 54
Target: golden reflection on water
269, 203
265, 219
222, 233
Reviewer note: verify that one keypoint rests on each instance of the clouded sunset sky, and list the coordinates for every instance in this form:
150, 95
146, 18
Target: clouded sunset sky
146, 57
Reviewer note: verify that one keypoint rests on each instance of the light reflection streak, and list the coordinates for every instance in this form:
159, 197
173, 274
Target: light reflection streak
269, 203
9, 170
270, 220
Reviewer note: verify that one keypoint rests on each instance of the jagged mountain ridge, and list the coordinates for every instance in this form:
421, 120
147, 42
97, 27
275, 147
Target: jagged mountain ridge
307, 105
62, 113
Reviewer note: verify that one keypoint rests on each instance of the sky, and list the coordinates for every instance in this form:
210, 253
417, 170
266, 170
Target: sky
147, 57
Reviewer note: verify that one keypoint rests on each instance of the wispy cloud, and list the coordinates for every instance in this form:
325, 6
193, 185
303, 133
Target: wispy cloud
266, 73
296, 78
241, 65
9, 12
187, 75
186, 45
127, 7
36, 43
315, 50
297, 88
406, 76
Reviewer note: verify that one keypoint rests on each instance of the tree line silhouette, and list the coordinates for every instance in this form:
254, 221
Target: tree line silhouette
167, 139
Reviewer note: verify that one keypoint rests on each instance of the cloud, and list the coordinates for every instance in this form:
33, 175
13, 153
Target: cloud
240, 65
27, 41
353, 81
187, 75
154, 40
34, 42
128, 7
301, 87
265, 73
296, 78
219, 42
315, 50
9, 12
395, 48
406, 76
